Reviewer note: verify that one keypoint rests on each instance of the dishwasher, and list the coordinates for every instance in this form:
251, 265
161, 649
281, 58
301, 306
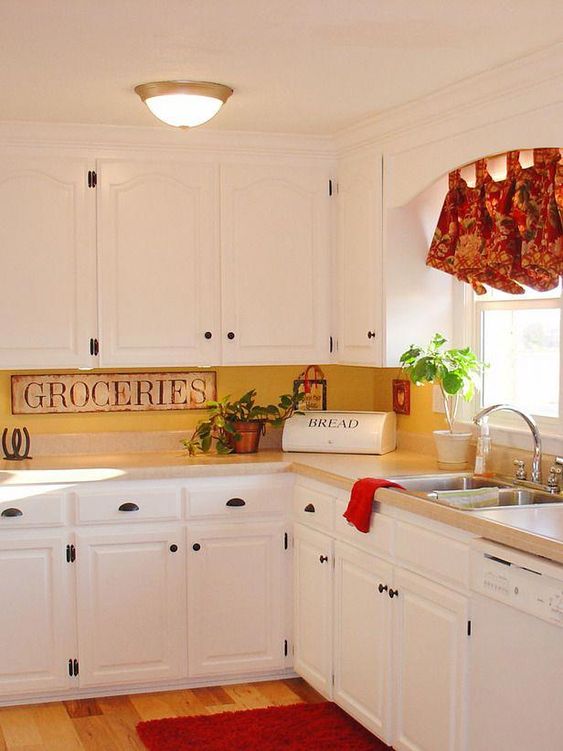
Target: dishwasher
516, 676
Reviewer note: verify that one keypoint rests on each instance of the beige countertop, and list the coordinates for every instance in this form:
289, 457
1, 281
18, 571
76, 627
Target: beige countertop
536, 530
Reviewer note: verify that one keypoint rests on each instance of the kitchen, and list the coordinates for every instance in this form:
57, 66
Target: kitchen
312, 216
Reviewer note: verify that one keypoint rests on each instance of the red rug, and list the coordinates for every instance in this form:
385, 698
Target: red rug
298, 727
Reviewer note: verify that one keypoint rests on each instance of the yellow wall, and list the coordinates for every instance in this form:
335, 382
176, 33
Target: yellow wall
349, 388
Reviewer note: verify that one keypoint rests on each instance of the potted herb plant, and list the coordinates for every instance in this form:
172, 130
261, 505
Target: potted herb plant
236, 426
457, 372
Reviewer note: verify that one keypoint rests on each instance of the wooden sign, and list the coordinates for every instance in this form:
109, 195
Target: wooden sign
111, 392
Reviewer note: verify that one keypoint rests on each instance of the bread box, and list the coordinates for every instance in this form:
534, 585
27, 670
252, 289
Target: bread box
341, 432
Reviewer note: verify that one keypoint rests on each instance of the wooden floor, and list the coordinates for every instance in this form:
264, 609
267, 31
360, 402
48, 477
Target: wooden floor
108, 724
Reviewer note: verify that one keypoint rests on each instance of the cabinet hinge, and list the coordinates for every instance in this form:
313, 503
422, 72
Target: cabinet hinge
92, 178
285, 541
468, 628
73, 668
70, 553
285, 648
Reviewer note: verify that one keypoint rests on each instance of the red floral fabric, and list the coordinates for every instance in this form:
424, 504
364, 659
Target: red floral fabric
442, 248
474, 227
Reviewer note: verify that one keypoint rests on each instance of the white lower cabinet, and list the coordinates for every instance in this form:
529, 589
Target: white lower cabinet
36, 614
236, 598
131, 606
430, 661
313, 585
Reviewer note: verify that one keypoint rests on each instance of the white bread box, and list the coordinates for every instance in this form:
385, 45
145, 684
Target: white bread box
341, 432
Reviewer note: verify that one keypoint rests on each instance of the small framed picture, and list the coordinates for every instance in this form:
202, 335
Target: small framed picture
401, 397
315, 398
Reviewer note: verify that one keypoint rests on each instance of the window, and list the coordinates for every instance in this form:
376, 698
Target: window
519, 337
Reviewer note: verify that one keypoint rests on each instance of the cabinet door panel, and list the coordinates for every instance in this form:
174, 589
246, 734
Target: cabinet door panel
362, 638
359, 285
158, 258
431, 644
313, 608
275, 255
36, 615
47, 246
131, 607
236, 599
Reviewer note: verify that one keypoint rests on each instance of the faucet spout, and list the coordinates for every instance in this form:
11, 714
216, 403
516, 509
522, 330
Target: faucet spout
536, 461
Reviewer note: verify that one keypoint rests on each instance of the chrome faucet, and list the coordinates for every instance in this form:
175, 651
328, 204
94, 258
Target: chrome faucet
536, 461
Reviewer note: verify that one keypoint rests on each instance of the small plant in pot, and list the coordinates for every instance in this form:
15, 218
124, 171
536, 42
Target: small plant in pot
236, 426
457, 372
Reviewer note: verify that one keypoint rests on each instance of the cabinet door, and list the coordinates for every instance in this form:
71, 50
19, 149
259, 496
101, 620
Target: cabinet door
158, 263
358, 261
275, 263
131, 607
313, 578
36, 615
236, 599
47, 247
431, 645
362, 637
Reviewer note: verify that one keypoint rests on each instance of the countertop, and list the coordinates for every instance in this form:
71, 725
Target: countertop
536, 530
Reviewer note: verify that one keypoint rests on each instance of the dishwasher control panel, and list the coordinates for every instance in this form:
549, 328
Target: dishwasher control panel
520, 581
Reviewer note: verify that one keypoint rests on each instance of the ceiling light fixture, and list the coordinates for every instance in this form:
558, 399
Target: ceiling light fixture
184, 104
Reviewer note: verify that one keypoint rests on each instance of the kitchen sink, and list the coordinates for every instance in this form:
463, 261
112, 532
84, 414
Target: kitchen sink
437, 488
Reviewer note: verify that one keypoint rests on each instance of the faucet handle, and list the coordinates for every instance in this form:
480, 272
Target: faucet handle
553, 479
520, 473
558, 460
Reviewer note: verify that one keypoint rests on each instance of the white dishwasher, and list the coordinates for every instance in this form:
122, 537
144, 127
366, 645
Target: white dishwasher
516, 676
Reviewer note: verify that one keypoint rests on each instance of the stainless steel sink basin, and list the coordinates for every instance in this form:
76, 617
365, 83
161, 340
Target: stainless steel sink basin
510, 494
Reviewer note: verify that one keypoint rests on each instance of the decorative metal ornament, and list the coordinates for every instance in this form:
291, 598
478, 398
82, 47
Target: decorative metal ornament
20, 444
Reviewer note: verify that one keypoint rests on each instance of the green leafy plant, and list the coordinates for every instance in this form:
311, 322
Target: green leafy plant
220, 426
456, 371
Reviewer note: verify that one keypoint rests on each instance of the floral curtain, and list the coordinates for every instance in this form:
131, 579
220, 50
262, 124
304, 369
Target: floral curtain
506, 233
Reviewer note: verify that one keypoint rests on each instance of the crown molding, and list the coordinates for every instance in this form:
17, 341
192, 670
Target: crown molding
515, 87
162, 140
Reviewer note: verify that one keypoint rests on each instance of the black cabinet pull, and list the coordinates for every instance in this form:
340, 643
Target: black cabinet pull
173, 548
371, 334
393, 593
323, 558
208, 335
128, 507
196, 546
12, 512
235, 502
382, 588
231, 335
309, 508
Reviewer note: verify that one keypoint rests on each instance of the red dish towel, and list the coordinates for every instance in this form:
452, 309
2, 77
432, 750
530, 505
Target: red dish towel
358, 512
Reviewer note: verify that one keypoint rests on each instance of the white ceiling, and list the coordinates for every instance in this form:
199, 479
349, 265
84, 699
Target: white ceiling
297, 66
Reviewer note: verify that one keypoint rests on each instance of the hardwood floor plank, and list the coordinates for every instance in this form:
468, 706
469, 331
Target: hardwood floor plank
212, 696
55, 727
152, 706
82, 708
95, 734
19, 727
278, 693
304, 691
247, 696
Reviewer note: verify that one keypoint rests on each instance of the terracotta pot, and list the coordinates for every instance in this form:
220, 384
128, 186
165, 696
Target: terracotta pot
452, 449
250, 433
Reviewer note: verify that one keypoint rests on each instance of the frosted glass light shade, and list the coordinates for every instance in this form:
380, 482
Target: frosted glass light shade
184, 104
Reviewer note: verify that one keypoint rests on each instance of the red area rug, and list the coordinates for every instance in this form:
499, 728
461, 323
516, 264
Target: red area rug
298, 727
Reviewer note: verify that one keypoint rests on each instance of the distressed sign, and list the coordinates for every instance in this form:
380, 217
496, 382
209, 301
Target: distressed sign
111, 392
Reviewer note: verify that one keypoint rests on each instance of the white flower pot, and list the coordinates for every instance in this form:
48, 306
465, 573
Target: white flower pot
452, 449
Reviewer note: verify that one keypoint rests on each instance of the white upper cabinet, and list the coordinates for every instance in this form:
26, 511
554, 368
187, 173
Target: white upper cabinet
358, 261
275, 263
48, 261
158, 263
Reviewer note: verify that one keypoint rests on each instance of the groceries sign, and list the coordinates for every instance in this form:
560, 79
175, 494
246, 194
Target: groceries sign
111, 392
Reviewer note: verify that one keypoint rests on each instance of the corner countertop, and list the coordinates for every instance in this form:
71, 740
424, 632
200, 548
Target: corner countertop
537, 530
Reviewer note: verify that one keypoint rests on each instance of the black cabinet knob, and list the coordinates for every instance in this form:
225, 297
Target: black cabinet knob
371, 334
128, 507
309, 508
208, 335
393, 593
173, 548
323, 558
231, 335
196, 546
382, 588
10, 512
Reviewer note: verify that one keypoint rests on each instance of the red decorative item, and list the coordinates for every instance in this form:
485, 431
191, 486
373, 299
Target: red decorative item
358, 511
401, 397
442, 248
298, 727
